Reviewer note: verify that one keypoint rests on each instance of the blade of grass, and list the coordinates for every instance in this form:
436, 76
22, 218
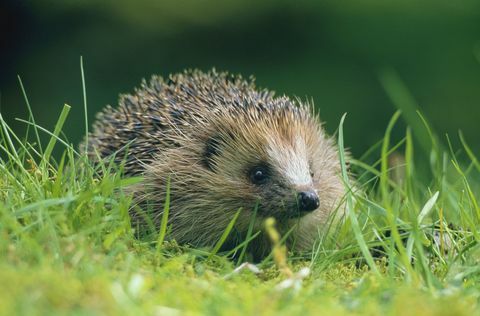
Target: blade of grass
44, 204
384, 189
68, 146
164, 222
469, 151
249, 234
17, 162
350, 212
419, 236
404, 101
31, 117
372, 170
7, 139
84, 90
427, 208
409, 169
266, 261
56, 132
225, 234
469, 191
22, 149
242, 244
435, 151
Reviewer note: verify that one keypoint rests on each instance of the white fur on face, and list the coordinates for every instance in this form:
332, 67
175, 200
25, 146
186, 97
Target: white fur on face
292, 161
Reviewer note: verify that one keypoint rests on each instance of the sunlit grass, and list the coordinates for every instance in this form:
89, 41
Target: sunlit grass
408, 245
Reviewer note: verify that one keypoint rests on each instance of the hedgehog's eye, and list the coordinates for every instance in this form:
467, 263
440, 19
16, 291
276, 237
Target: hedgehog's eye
259, 175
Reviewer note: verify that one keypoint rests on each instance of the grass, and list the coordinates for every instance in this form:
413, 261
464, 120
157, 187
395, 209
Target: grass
67, 245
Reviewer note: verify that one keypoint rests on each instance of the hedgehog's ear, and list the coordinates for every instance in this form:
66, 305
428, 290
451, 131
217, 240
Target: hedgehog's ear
212, 149
214, 145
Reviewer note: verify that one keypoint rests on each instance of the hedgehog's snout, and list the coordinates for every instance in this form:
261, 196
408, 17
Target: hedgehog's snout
308, 201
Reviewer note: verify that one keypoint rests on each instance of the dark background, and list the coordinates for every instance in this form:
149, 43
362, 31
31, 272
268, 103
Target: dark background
330, 51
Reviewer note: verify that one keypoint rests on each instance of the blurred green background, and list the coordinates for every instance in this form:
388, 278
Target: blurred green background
330, 51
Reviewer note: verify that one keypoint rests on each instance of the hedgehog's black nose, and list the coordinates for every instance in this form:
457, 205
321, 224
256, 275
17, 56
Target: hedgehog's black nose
308, 201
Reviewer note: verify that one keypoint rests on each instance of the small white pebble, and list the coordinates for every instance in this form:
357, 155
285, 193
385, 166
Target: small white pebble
246, 265
135, 285
295, 282
166, 311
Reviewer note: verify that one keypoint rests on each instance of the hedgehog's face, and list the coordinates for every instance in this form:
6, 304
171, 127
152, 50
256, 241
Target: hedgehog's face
283, 165
285, 181
288, 173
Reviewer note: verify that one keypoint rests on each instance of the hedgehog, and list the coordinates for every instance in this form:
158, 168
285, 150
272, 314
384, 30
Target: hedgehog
221, 146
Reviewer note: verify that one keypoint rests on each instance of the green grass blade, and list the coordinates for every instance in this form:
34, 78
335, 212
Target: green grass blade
249, 234
350, 212
242, 244
22, 146
56, 132
386, 197
44, 204
68, 146
164, 222
409, 169
30, 113
225, 234
7, 138
427, 208
404, 101
85, 109
469, 151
